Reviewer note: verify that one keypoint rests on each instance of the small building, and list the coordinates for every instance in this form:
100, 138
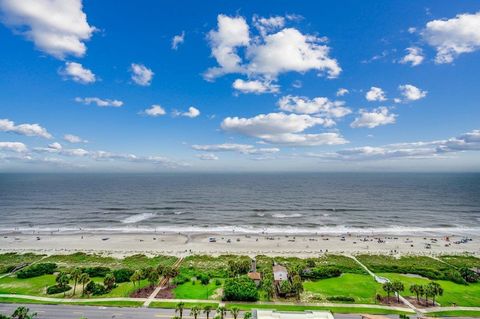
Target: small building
255, 276
280, 273
272, 314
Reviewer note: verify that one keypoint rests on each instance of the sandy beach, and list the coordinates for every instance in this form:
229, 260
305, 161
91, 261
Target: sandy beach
120, 245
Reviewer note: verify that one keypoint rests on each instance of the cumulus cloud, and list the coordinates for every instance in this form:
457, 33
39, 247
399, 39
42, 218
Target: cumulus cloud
466, 142
274, 51
177, 40
414, 56
411, 93
24, 129
191, 113
375, 94
70, 138
454, 36
281, 128
342, 92
255, 86
13, 147
376, 117
78, 73
56, 27
318, 105
207, 157
155, 111
141, 74
99, 102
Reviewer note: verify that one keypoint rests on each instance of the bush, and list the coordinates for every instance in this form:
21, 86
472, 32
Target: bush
37, 270
95, 289
321, 273
180, 279
217, 282
122, 275
56, 289
204, 279
97, 271
240, 289
341, 298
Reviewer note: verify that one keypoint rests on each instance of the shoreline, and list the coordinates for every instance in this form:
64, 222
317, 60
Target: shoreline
183, 244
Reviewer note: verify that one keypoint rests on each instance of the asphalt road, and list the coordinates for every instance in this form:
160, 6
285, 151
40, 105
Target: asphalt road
96, 312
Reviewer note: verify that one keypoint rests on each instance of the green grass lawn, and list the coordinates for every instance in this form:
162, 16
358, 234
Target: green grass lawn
9, 260
455, 313
245, 306
189, 290
124, 289
361, 287
188, 305
461, 295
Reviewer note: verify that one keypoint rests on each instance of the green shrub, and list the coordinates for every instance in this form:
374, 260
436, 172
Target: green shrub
56, 289
341, 298
321, 273
240, 289
123, 275
97, 271
37, 270
95, 289
180, 279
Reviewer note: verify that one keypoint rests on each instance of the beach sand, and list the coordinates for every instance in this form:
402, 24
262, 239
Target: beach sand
177, 244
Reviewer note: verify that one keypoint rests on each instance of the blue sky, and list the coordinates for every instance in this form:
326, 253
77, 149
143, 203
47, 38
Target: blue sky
239, 86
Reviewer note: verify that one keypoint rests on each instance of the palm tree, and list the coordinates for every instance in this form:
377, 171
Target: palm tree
136, 277
388, 288
75, 275
417, 290
397, 287
297, 286
83, 279
435, 290
23, 313
207, 309
234, 311
179, 308
247, 315
109, 281
195, 311
222, 311
153, 277
62, 280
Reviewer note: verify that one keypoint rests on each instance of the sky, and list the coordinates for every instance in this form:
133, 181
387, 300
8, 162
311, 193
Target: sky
181, 86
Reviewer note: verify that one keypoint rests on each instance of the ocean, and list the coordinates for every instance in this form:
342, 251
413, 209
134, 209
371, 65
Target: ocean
294, 203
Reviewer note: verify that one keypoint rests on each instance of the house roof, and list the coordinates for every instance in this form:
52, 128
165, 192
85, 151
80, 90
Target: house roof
254, 275
279, 268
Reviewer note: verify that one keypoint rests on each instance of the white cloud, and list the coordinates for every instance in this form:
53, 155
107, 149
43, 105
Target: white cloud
232, 33
155, 111
377, 117
290, 50
141, 74
24, 129
78, 152
74, 139
268, 25
466, 142
51, 148
99, 102
56, 27
283, 128
375, 94
255, 86
454, 36
177, 40
319, 105
13, 147
232, 147
342, 92
268, 54
414, 56
411, 93
78, 73
191, 113
207, 157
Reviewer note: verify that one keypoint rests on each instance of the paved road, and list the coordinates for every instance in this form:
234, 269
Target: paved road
95, 312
